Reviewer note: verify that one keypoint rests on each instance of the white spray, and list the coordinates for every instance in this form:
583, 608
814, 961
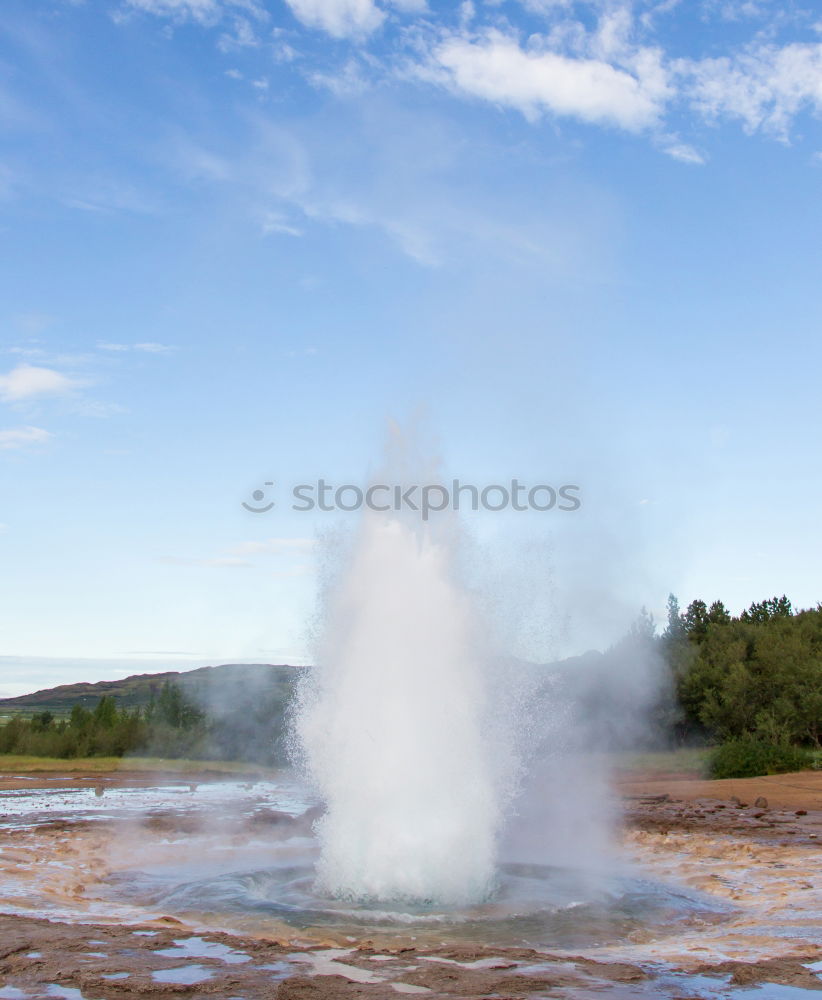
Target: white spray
399, 730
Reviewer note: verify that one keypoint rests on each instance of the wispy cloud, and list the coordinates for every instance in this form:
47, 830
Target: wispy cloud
205, 12
147, 347
33, 323
150, 347
682, 151
765, 86
340, 18
241, 555
23, 437
273, 546
275, 222
303, 352
109, 195
28, 381
218, 562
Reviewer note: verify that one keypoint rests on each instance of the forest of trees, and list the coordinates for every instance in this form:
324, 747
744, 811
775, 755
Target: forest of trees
751, 684
170, 726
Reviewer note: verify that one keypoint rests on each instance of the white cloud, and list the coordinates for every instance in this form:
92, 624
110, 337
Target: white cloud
205, 12
242, 36
340, 18
495, 68
410, 6
346, 82
22, 437
26, 381
765, 86
683, 152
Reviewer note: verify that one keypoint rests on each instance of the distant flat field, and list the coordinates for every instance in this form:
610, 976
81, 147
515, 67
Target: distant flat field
687, 761
125, 770
21, 762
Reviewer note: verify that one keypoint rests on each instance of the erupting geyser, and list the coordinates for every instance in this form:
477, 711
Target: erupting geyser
398, 729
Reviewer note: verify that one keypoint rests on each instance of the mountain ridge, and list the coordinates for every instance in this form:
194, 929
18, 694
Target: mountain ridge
137, 689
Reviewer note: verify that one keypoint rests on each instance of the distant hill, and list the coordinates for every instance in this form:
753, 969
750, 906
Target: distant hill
211, 686
246, 705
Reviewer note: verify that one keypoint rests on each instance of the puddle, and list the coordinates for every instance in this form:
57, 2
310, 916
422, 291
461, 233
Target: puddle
185, 975
480, 963
279, 969
326, 963
197, 947
771, 991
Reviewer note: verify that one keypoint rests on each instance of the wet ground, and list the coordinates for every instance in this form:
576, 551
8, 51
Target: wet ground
123, 888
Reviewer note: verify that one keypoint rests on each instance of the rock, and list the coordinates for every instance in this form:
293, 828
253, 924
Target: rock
801, 812
761, 802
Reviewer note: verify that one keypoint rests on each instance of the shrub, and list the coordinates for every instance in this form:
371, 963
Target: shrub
749, 757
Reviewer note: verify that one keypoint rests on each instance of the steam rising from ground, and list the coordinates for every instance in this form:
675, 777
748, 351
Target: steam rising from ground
400, 728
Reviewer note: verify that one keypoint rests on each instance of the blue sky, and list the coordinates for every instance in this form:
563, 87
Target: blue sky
579, 242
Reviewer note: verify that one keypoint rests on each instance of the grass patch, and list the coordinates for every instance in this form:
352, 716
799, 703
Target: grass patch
685, 760
22, 764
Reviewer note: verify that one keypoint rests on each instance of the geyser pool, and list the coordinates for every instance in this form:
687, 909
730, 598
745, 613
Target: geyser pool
398, 728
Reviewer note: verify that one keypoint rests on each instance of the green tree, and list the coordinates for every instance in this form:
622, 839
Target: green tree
696, 620
763, 611
105, 714
718, 614
675, 629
